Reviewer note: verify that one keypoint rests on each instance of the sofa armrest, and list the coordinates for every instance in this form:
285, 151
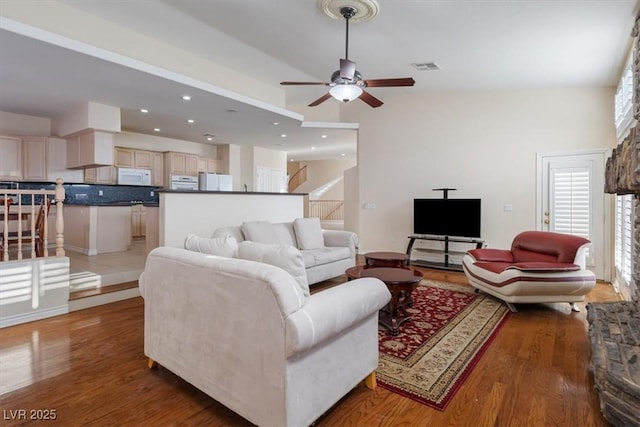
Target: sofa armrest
330, 312
544, 267
491, 255
341, 238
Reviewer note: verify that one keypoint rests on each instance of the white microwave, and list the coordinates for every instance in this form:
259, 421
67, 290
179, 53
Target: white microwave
128, 176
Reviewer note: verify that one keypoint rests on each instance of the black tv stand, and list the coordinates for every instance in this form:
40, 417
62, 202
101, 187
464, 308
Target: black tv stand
446, 263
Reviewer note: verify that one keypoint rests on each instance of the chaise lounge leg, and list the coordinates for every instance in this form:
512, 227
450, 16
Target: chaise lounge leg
370, 381
574, 306
511, 307
152, 363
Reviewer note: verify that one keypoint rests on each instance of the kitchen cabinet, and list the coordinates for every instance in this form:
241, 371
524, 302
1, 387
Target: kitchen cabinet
131, 158
157, 168
179, 164
100, 175
138, 221
34, 158
90, 148
57, 162
10, 161
123, 157
209, 165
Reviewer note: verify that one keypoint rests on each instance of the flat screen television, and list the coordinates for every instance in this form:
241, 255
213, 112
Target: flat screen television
447, 217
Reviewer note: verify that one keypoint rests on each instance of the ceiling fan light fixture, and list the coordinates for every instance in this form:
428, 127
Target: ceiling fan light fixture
346, 92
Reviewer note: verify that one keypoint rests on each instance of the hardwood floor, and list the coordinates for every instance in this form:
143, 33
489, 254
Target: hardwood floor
89, 368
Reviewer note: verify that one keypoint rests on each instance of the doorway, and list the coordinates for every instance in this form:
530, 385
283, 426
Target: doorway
571, 200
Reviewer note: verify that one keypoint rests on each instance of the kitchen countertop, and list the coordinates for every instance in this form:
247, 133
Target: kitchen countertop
248, 193
111, 204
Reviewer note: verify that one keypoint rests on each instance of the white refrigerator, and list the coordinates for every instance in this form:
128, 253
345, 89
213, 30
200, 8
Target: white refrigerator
214, 182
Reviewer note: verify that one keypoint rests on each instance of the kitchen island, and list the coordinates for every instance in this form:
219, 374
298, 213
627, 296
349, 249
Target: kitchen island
97, 229
181, 213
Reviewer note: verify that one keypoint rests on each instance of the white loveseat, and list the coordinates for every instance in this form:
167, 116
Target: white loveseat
326, 253
244, 333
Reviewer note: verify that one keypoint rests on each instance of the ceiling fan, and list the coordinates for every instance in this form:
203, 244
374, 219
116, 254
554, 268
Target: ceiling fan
347, 83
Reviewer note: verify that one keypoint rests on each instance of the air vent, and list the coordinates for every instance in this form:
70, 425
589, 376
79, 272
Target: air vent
425, 66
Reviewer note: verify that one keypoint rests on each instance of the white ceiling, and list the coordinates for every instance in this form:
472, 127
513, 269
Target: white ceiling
479, 45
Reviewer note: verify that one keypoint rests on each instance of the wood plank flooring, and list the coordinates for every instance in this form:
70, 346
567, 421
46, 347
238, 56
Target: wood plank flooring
89, 368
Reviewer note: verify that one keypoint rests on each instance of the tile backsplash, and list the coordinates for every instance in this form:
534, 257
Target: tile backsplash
91, 194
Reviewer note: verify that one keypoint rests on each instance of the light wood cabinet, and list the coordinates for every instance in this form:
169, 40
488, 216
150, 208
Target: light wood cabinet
123, 157
34, 158
11, 158
142, 159
191, 164
179, 164
131, 158
57, 162
90, 148
157, 168
100, 175
138, 221
209, 165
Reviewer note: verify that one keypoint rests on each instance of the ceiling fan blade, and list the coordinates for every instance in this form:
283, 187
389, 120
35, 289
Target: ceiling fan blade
370, 99
320, 100
347, 69
303, 83
406, 81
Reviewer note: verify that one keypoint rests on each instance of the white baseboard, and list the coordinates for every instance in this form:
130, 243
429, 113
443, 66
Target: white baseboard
34, 315
80, 250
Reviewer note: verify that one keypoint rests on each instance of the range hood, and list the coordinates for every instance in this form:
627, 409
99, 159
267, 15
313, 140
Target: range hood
89, 148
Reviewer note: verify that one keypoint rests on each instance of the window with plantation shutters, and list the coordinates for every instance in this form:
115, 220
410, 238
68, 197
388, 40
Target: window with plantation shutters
624, 102
571, 201
624, 121
624, 211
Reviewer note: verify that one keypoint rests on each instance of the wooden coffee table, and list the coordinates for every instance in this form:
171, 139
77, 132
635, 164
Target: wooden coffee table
386, 259
400, 282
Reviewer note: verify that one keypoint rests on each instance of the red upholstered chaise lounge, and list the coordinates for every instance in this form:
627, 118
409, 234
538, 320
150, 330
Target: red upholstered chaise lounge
540, 267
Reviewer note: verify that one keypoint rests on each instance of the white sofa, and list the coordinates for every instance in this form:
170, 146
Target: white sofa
244, 333
326, 253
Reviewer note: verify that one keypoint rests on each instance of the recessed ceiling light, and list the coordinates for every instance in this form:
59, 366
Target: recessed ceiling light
275, 123
209, 138
343, 154
291, 160
185, 98
190, 121
156, 129
313, 148
323, 136
284, 135
144, 110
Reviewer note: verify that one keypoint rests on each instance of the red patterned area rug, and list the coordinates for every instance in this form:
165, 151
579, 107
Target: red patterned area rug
450, 328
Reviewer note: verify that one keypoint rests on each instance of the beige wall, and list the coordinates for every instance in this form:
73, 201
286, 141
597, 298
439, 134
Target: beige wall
19, 124
482, 143
158, 143
321, 172
266, 158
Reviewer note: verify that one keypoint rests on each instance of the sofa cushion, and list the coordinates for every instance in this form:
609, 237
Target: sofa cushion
260, 232
320, 256
286, 257
285, 233
309, 233
221, 246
